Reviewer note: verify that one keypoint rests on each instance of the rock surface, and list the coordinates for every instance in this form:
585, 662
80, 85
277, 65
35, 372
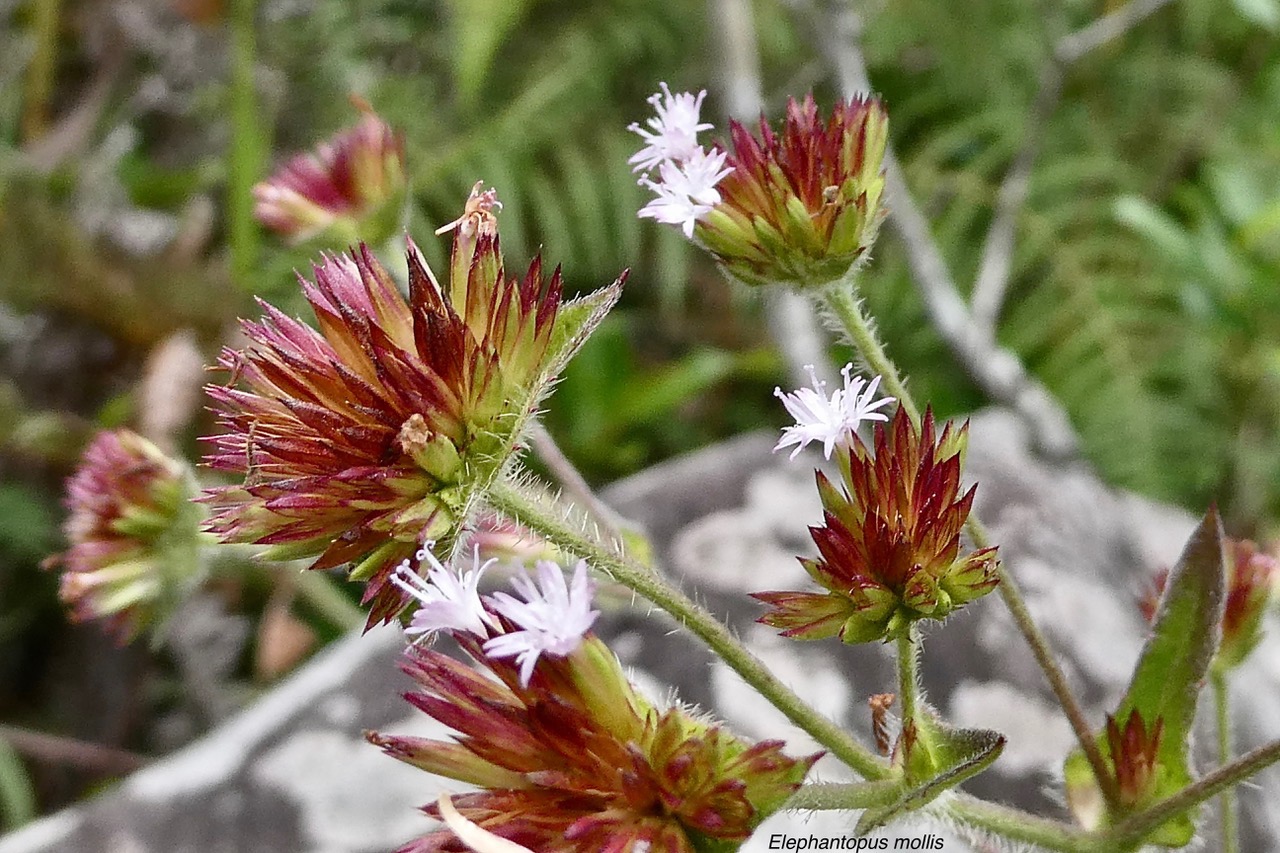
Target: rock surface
292, 772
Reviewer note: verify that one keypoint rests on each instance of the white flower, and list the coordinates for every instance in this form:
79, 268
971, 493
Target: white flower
553, 616
675, 129
686, 191
448, 601
829, 419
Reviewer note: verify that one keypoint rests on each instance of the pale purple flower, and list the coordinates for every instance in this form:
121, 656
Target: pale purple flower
675, 129
829, 419
553, 617
448, 600
686, 191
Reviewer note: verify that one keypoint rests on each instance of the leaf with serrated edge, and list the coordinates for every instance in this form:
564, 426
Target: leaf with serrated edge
1172, 669
575, 321
963, 753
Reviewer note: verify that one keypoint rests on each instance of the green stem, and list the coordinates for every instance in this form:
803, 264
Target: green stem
842, 299
1018, 825
1136, 827
42, 69
838, 796
1226, 802
320, 593
909, 675
244, 160
509, 500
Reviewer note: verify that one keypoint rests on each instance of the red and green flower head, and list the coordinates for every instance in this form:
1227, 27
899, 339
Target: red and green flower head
889, 549
569, 757
1252, 578
799, 207
350, 186
1134, 751
134, 535
382, 427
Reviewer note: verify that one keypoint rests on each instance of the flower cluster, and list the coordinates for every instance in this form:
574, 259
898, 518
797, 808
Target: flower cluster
383, 428
829, 419
349, 186
889, 546
687, 173
801, 207
133, 532
1251, 582
569, 756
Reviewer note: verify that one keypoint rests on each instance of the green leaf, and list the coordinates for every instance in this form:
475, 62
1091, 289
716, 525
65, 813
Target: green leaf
959, 754
17, 796
1264, 13
1171, 670
575, 321
480, 27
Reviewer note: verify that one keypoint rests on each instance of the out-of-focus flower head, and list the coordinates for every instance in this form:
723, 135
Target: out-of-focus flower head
801, 207
501, 539
829, 419
383, 428
889, 546
1252, 578
574, 759
351, 186
133, 532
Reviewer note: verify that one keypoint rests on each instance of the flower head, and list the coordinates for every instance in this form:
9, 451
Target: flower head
829, 419
382, 428
889, 545
134, 534
1134, 752
349, 184
1252, 578
803, 206
552, 618
576, 761
447, 600
674, 130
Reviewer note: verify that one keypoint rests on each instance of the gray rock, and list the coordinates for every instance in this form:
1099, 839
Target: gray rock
292, 773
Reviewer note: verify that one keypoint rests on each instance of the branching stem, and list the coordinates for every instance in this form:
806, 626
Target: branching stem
508, 499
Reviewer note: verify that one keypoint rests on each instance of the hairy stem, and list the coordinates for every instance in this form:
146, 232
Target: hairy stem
508, 499
1018, 825
1227, 800
909, 674
841, 796
840, 297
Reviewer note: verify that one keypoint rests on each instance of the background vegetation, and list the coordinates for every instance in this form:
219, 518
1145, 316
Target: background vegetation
1143, 292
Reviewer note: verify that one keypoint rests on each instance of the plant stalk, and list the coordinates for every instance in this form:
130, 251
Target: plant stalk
1018, 825
1227, 800
909, 675
839, 796
244, 159
841, 298
508, 499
